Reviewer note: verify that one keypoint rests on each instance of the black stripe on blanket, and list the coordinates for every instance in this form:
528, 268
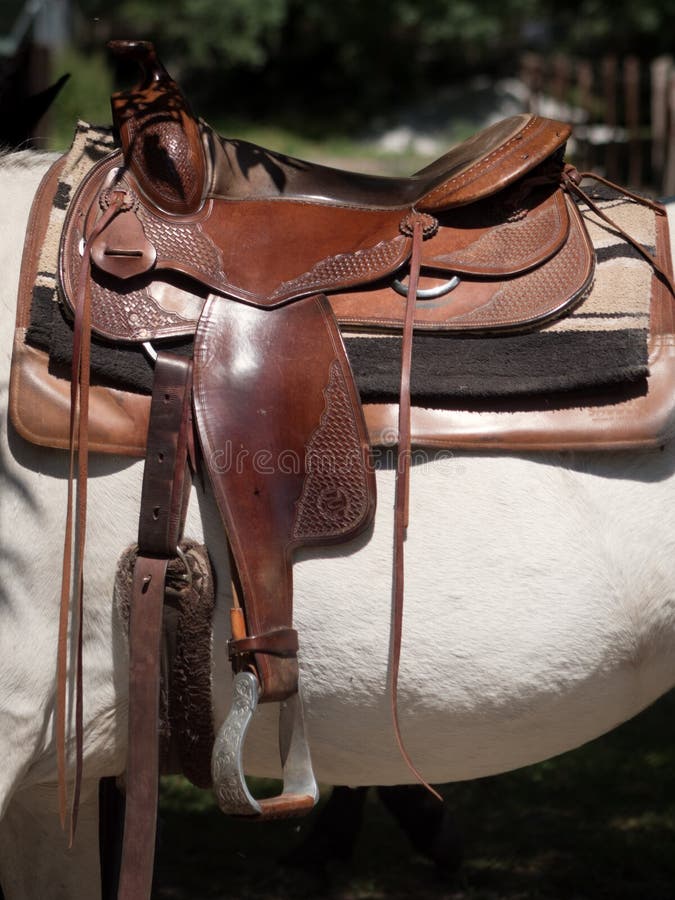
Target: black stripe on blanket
444, 367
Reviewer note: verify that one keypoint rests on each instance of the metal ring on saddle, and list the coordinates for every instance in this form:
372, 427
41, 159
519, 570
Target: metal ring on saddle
431, 293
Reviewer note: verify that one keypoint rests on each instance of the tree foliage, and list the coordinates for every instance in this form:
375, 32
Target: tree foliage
234, 32
256, 54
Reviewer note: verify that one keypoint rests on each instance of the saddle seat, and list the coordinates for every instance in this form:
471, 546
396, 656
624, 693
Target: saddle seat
482, 165
179, 162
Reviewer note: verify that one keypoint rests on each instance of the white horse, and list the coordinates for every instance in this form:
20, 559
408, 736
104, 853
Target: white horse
539, 613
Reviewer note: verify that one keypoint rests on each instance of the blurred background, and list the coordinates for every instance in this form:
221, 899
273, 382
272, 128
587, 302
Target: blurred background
389, 83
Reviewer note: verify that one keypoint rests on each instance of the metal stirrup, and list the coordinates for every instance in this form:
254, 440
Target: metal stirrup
300, 791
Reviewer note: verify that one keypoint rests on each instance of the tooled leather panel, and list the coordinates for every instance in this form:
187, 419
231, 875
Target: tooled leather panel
184, 242
128, 313
132, 315
227, 248
483, 303
143, 307
279, 250
335, 495
505, 236
542, 292
161, 139
346, 269
164, 150
248, 250
260, 377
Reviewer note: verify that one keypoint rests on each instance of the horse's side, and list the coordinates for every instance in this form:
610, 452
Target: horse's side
540, 612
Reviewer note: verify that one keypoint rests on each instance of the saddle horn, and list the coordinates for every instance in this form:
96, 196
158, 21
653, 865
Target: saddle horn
160, 136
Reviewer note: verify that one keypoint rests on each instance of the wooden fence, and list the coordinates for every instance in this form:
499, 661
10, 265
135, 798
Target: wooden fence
622, 110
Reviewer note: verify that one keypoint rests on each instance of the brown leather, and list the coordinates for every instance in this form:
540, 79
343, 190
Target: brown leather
285, 449
572, 182
300, 229
519, 274
123, 250
166, 485
281, 642
72, 572
160, 136
401, 501
625, 417
492, 160
488, 162
286, 806
325, 247
39, 398
622, 417
142, 776
39, 401
37, 224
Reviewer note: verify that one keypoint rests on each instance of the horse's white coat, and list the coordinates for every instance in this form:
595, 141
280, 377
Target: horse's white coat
540, 612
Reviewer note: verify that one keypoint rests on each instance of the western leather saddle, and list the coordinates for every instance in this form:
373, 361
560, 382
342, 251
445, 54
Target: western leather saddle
258, 256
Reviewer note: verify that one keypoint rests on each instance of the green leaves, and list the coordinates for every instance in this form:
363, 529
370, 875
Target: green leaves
255, 33
209, 33
312, 57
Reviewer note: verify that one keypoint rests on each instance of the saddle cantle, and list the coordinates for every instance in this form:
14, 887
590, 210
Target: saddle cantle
258, 257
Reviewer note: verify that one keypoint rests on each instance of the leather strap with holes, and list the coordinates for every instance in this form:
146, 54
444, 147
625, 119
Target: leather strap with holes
166, 486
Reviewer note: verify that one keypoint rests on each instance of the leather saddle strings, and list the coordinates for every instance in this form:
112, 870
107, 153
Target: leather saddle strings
571, 182
422, 226
75, 528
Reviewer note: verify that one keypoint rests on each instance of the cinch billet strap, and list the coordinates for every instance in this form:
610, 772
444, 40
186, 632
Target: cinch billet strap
166, 485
